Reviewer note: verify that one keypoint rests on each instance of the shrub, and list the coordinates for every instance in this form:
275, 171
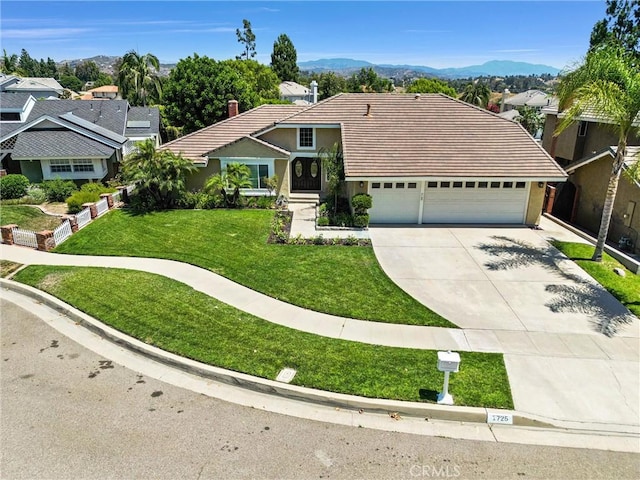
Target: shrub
36, 194
13, 186
75, 201
361, 220
343, 219
266, 203
323, 221
350, 240
58, 190
297, 240
361, 202
318, 240
96, 187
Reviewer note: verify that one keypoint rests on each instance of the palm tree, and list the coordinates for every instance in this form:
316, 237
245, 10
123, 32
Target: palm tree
476, 93
606, 85
161, 174
235, 177
138, 77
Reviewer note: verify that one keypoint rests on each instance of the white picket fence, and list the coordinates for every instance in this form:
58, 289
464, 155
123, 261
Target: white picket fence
102, 207
83, 217
116, 197
26, 238
63, 232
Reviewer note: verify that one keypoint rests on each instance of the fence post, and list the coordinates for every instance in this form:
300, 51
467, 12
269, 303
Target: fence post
45, 240
109, 199
92, 208
124, 196
7, 233
73, 222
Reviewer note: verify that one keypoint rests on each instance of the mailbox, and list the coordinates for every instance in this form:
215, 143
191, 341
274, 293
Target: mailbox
448, 361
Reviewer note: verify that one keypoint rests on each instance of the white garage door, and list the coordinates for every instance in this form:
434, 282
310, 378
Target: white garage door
395, 202
475, 202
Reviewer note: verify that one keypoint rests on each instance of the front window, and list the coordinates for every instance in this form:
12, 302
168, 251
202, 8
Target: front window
82, 166
258, 173
60, 166
305, 138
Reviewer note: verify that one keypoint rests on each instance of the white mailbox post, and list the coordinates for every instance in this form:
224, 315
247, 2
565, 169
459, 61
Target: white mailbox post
447, 362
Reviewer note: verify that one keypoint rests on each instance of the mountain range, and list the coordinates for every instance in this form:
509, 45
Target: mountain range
500, 68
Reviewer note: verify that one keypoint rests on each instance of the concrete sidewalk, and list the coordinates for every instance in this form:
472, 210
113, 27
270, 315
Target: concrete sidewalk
540, 364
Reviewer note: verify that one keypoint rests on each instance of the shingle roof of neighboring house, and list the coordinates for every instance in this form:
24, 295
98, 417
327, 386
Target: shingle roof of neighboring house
58, 144
142, 121
427, 135
36, 84
195, 145
13, 100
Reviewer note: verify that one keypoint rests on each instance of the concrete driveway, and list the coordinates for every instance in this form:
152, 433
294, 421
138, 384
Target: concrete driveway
573, 348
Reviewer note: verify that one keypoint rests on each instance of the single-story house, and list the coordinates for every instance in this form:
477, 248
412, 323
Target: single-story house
38, 87
588, 181
424, 158
70, 139
106, 92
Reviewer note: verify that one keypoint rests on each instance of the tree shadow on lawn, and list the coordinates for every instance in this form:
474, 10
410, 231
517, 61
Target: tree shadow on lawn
574, 295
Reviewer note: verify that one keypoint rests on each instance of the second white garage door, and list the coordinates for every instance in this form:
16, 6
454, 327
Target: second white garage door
450, 202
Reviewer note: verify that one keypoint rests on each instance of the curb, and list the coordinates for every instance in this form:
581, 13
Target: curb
292, 392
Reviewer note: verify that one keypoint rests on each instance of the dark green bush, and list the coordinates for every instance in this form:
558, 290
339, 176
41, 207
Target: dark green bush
13, 186
342, 219
75, 201
361, 202
266, 202
318, 240
323, 221
361, 220
58, 190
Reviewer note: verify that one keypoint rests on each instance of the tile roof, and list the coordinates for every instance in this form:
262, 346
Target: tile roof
36, 144
13, 100
427, 135
197, 144
104, 89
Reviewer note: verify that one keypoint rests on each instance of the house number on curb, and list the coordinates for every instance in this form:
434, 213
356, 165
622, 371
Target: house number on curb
504, 418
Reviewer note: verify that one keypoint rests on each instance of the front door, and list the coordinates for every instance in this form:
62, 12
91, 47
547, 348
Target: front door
305, 174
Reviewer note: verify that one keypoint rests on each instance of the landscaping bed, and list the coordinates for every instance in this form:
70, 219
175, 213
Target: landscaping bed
626, 289
181, 320
343, 281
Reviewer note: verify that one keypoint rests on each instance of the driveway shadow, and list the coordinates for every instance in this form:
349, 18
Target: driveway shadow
574, 295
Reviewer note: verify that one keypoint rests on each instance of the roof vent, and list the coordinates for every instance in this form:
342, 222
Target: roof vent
368, 114
417, 96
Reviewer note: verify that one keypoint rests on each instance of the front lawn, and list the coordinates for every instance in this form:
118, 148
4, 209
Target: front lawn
339, 280
176, 318
626, 289
27, 218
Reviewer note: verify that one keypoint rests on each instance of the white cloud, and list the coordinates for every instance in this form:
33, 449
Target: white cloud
36, 33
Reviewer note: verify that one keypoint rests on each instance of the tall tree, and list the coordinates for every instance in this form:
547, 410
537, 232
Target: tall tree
530, 119
367, 80
620, 26
28, 66
284, 59
9, 62
198, 90
262, 79
159, 174
87, 71
138, 78
607, 84
248, 39
330, 84
476, 93
431, 85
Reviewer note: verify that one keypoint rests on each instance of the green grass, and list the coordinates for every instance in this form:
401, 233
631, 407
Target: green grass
7, 267
339, 280
626, 289
28, 218
176, 318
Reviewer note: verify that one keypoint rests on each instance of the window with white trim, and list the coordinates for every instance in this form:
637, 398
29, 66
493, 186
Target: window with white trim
306, 138
80, 165
60, 166
259, 169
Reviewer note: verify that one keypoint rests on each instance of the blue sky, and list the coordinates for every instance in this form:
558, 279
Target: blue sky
436, 34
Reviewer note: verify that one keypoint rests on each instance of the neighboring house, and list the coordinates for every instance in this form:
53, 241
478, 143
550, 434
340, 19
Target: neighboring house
531, 98
299, 94
36, 87
106, 92
423, 158
70, 139
586, 152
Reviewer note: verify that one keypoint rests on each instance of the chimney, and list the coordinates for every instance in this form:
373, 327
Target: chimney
233, 108
314, 91
505, 94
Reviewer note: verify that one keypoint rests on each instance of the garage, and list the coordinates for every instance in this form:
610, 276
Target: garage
395, 202
475, 202
450, 201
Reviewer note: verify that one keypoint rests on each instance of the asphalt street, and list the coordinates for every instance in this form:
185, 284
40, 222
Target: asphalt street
67, 412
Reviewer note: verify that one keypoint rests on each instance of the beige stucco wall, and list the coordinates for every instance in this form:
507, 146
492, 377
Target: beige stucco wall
592, 180
246, 149
282, 171
287, 138
196, 180
534, 207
